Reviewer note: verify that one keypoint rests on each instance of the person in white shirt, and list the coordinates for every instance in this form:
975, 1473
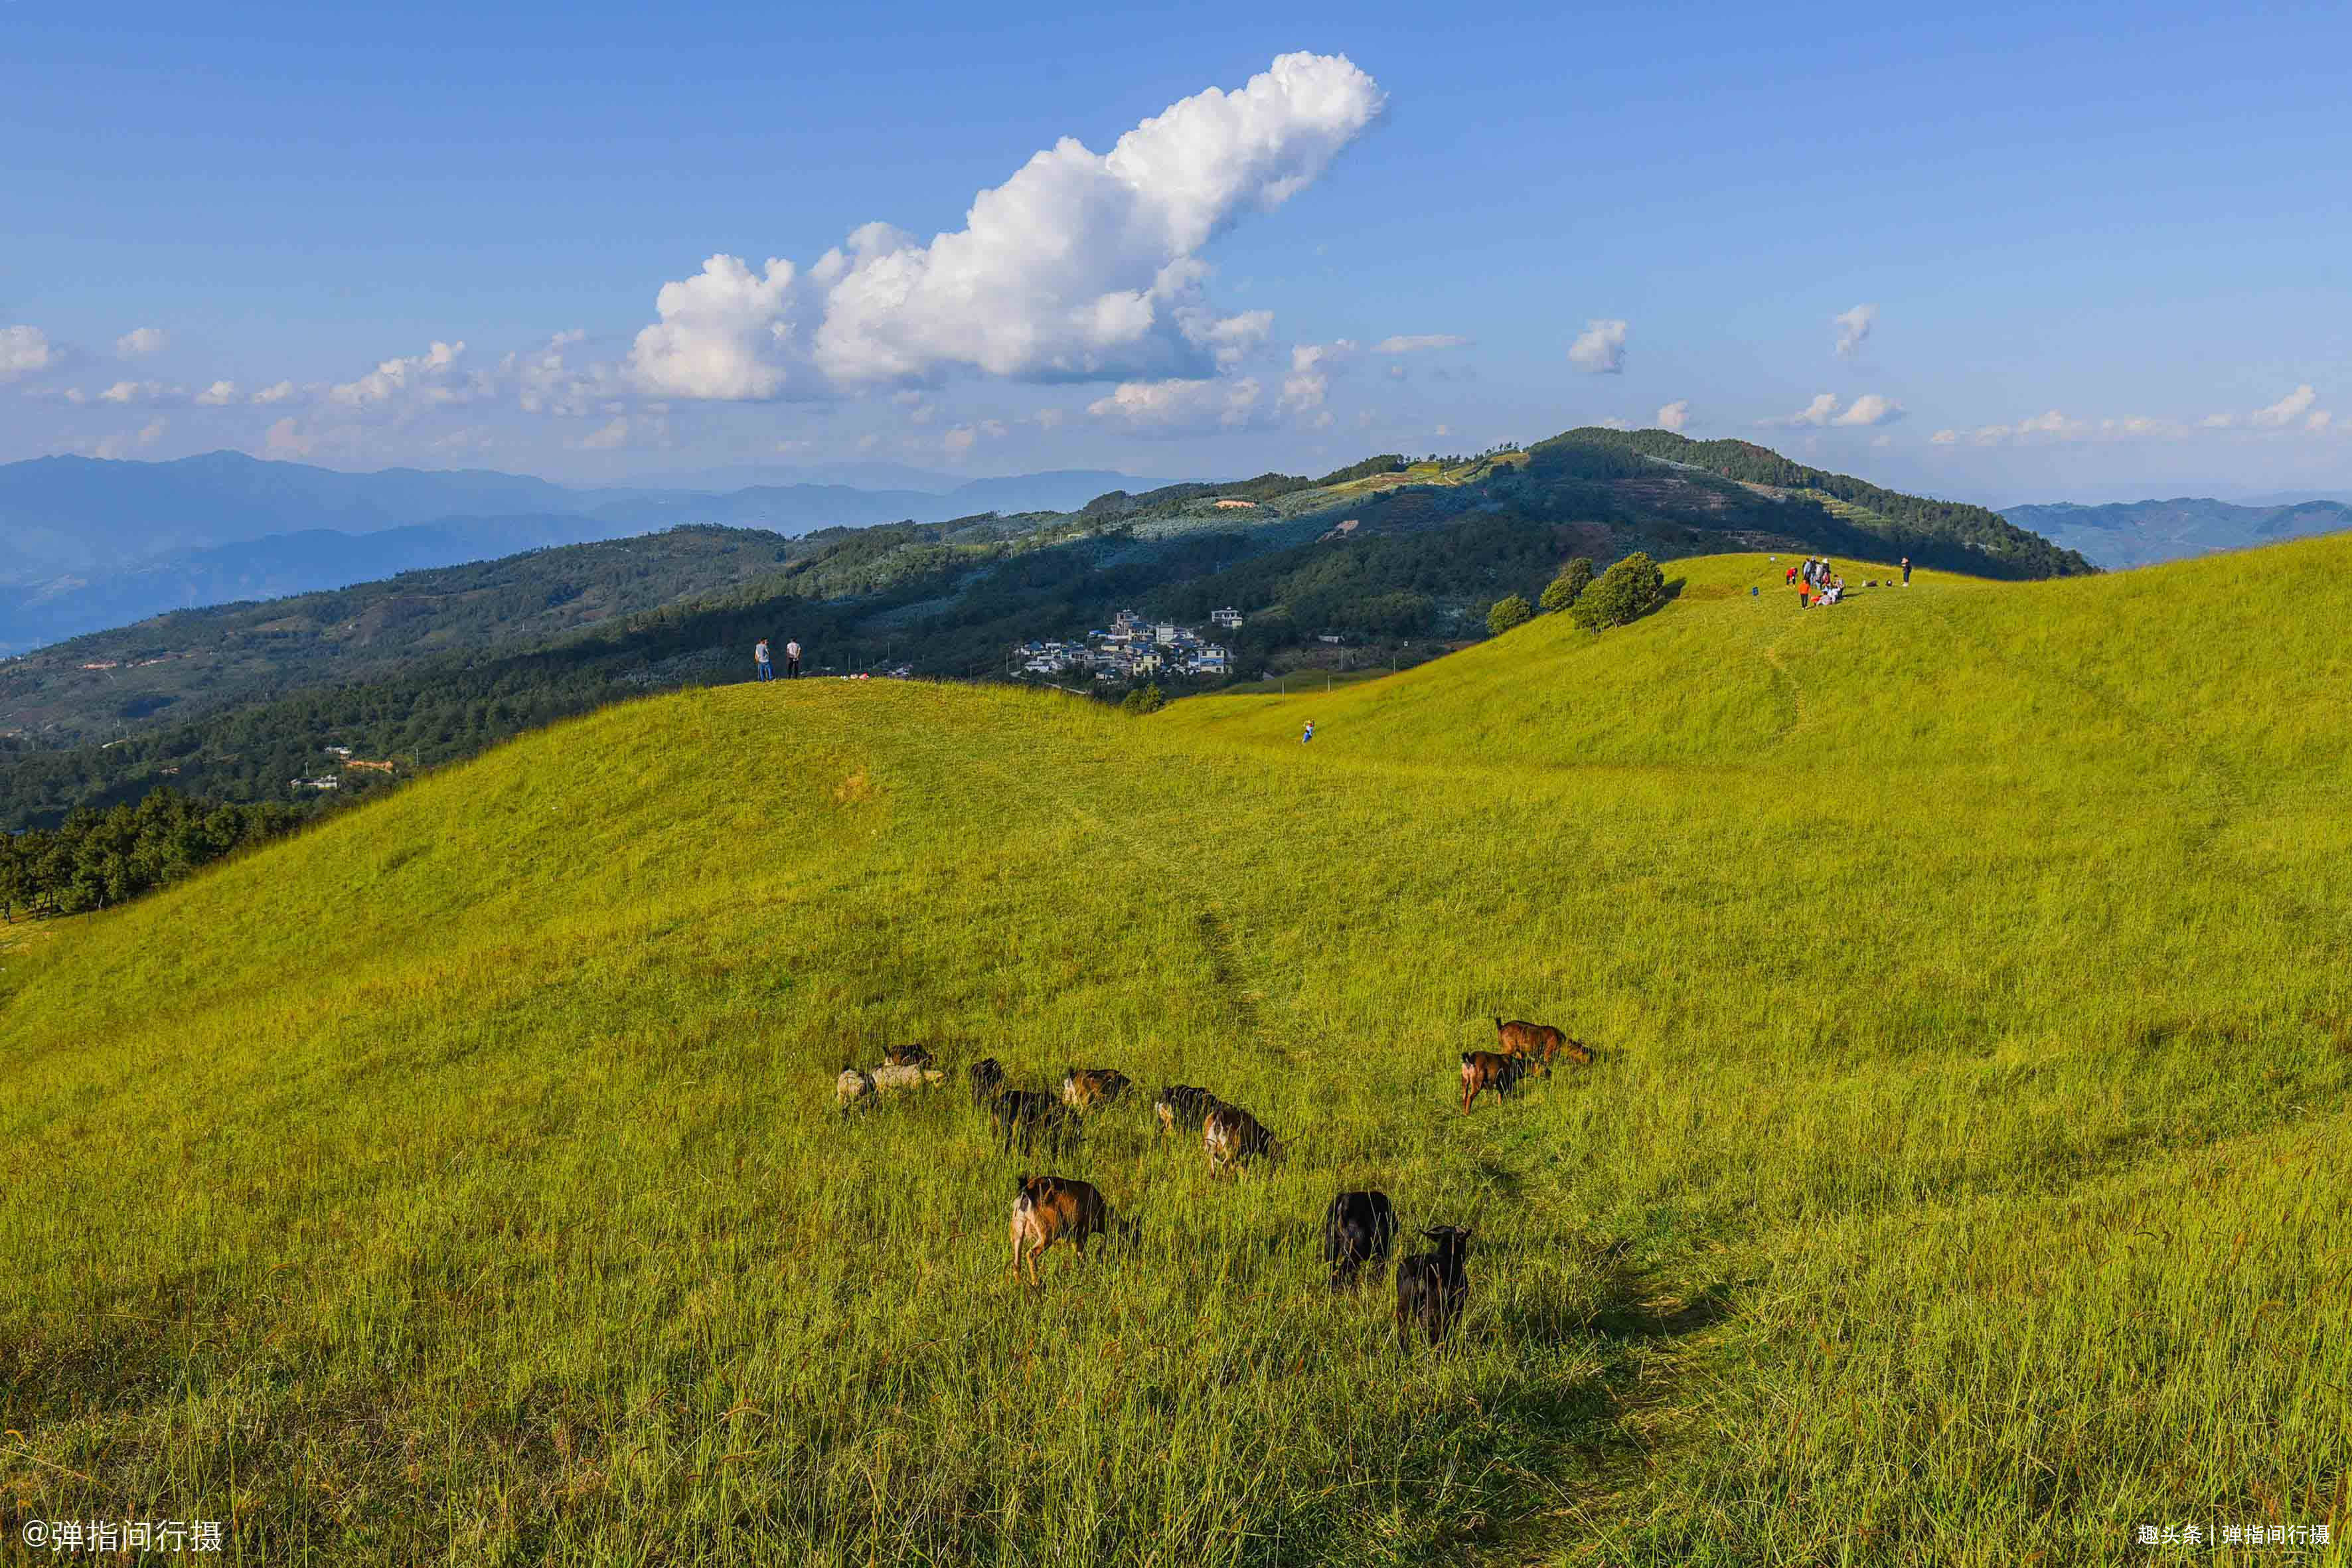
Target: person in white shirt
792, 660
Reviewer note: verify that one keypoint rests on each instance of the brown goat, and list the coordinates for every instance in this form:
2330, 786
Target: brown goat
1540, 1044
1047, 1209
1083, 1089
1230, 1135
1484, 1070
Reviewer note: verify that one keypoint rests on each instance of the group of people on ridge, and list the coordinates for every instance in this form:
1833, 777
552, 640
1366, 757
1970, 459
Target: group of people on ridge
1817, 582
767, 670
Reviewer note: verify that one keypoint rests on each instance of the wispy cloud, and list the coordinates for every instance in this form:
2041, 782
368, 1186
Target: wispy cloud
1853, 329
1599, 349
1419, 343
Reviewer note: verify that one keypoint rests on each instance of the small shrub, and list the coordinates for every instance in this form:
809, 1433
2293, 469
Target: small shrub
1508, 613
1565, 589
1144, 699
1626, 591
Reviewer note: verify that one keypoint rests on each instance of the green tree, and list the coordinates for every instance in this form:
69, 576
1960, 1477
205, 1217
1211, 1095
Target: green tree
1573, 579
1508, 613
1146, 698
1629, 590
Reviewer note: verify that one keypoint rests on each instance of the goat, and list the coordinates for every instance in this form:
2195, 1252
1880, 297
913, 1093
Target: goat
1230, 1135
1029, 1116
1539, 1043
1357, 1230
907, 1056
850, 1088
1182, 1106
1083, 1089
1484, 1070
1045, 1209
987, 1078
892, 1078
1431, 1289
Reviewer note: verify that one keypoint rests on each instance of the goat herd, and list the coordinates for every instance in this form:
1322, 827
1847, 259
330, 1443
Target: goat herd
1358, 1227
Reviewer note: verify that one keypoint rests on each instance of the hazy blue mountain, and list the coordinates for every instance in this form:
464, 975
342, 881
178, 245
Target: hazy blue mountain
2140, 533
270, 568
86, 543
76, 514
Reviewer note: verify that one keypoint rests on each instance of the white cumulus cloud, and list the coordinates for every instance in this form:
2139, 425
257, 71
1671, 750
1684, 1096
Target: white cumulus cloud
1674, 415
1419, 343
24, 349
1082, 267
1870, 409
424, 373
141, 341
1180, 407
219, 395
1310, 375
1854, 328
1599, 349
2286, 411
126, 443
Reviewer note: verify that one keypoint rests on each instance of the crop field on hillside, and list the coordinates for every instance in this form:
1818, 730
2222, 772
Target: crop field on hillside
1963, 1176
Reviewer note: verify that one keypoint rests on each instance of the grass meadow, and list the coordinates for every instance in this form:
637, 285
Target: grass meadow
1962, 1179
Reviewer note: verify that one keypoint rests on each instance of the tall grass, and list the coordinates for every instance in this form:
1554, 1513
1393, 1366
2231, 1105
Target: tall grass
1962, 1178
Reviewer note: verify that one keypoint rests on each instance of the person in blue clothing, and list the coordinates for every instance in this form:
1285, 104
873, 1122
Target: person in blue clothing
760, 661
1310, 735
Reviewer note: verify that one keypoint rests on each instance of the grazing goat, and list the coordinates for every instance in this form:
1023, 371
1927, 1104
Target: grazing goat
1230, 1135
1182, 1107
893, 1077
1030, 1117
854, 1087
1083, 1089
987, 1078
1431, 1289
907, 1056
1357, 1230
1539, 1043
1484, 1070
1046, 1209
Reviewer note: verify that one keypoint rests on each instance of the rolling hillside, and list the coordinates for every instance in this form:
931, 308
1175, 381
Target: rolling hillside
1962, 1178
1394, 559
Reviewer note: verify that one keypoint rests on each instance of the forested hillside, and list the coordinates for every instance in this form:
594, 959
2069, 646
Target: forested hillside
1391, 559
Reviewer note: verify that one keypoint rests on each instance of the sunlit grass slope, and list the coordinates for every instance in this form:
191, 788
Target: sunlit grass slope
1964, 1177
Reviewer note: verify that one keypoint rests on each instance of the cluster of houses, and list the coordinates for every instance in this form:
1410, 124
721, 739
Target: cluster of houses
342, 755
1134, 649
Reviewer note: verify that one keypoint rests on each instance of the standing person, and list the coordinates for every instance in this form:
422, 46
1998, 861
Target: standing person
1906, 571
1310, 735
792, 660
759, 660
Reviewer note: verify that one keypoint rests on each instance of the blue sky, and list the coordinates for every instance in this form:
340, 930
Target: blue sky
2100, 252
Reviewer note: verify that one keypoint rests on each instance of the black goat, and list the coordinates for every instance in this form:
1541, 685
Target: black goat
1357, 1230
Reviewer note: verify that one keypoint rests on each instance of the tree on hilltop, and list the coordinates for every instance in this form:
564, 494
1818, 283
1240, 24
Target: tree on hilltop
1508, 613
1625, 592
1573, 579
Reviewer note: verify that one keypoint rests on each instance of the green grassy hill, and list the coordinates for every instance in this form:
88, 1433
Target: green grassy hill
1962, 1179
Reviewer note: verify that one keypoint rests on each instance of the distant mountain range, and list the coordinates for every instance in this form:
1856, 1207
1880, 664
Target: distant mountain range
2140, 533
87, 543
